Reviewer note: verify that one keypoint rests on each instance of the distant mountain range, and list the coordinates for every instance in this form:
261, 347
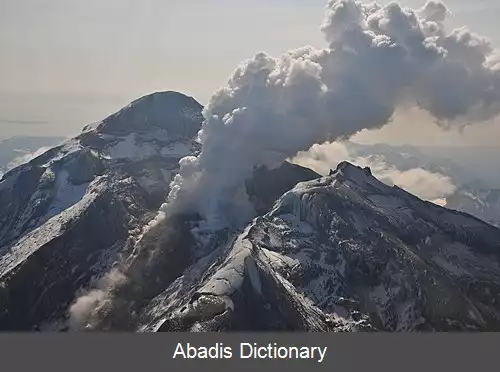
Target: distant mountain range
16, 150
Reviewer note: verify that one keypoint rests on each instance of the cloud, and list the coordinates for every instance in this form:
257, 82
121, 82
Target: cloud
424, 184
323, 158
25, 158
378, 58
427, 185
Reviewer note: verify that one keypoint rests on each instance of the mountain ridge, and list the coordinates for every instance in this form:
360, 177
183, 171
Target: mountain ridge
382, 279
109, 184
343, 252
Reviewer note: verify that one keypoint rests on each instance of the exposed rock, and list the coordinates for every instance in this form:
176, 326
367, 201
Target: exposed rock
267, 185
343, 253
85, 166
67, 215
338, 253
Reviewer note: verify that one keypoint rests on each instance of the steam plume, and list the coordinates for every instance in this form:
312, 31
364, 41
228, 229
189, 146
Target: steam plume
378, 57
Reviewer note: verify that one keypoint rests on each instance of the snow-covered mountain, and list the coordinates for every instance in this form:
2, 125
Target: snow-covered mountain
344, 252
476, 187
68, 214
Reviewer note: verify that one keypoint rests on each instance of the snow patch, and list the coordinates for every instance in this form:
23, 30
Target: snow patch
15, 255
66, 194
230, 277
130, 148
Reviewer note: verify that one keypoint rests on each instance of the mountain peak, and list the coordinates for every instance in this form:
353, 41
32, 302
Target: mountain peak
342, 252
165, 96
174, 112
347, 167
346, 170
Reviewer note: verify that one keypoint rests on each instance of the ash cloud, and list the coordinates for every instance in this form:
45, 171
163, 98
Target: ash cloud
377, 58
86, 311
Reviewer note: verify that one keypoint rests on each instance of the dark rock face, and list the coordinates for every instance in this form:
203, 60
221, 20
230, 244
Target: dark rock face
343, 253
169, 248
247, 295
267, 185
41, 287
15, 200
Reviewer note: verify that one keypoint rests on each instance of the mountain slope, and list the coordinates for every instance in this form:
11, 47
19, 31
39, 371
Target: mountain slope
15, 149
344, 252
68, 214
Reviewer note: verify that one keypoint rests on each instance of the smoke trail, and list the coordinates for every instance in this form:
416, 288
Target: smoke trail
377, 58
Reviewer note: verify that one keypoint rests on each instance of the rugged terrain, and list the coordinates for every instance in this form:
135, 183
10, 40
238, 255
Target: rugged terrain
344, 252
68, 214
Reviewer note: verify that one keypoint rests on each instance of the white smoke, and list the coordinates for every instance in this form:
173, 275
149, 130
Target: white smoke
325, 157
427, 185
378, 57
86, 306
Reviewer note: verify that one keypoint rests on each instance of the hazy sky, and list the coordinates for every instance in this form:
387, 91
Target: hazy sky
66, 63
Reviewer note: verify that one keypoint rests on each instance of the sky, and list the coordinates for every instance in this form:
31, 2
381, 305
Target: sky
68, 63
